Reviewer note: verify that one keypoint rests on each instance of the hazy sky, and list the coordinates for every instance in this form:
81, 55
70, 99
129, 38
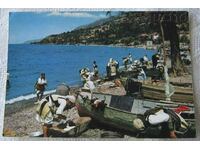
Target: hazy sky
26, 26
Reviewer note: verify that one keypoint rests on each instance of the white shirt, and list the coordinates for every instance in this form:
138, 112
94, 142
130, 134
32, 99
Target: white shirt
90, 76
89, 85
145, 58
42, 81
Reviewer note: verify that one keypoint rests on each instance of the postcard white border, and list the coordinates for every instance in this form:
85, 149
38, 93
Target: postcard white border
194, 15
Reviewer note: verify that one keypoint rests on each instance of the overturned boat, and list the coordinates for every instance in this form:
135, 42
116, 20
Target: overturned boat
119, 111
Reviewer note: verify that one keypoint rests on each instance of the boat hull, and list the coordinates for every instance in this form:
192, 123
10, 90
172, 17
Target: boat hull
181, 94
157, 92
120, 120
112, 119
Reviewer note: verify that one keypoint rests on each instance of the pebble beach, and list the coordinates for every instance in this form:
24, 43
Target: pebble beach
20, 119
15, 126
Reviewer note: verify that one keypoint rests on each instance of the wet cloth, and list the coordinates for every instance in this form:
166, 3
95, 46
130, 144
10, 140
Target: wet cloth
58, 102
158, 117
90, 76
61, 100
167, 118
73, 115
89, 85
62, 104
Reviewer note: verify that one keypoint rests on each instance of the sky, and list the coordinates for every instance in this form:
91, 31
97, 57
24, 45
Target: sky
25, 26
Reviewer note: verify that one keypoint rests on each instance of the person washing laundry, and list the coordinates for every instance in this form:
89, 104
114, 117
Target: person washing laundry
84, 74
89, 85
52, 107
169, 120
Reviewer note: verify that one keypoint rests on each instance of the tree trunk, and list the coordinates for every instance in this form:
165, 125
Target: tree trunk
176, 62
171, 33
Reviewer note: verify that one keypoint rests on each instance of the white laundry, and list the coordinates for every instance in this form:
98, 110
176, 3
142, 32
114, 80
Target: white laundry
158, 118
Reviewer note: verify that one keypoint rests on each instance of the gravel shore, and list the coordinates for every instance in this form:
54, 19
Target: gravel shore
20, 119
22, 122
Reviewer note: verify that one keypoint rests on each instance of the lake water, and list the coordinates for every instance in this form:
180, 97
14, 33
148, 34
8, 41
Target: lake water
61, 63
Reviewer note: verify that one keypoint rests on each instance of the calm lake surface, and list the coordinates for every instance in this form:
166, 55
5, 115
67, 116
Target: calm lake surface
61, 63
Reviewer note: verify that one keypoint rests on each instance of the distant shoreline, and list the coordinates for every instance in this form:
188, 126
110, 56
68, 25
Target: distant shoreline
111, 45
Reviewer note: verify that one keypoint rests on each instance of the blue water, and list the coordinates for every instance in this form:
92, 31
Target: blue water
61, 63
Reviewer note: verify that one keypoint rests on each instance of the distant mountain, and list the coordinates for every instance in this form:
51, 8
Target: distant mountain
96, 23
32, 41
128, 28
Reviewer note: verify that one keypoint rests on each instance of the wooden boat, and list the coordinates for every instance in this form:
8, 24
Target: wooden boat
183, 93
72, 131
157, 92
120, 110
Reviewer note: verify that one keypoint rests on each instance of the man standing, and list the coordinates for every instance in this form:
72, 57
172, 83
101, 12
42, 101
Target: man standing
40, 86
95, 70
155, 59
145, 59
112, 68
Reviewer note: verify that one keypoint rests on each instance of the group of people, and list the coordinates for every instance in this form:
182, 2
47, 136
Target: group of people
62, 108
111, 69
136, 65
53, 106
87, 75
113, 66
